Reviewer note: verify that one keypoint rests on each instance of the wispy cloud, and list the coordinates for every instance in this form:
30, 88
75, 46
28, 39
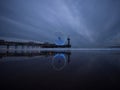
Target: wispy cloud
86, 21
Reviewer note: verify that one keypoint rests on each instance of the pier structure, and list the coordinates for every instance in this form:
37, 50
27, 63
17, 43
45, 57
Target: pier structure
16, 44
68, 45
32, 44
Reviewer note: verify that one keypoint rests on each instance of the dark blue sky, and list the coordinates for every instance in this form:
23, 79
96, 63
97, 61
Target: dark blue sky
89, 23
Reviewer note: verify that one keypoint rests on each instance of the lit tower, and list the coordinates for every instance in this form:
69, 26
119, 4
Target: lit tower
68, 42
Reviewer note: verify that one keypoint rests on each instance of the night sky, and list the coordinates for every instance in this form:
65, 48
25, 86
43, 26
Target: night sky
89, 23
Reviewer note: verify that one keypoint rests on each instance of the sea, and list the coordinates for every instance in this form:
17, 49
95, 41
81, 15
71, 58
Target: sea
60, 69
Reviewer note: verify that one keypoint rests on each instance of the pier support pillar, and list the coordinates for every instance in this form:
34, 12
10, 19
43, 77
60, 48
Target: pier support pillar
22, 46
15, 46
28, 46
7, 46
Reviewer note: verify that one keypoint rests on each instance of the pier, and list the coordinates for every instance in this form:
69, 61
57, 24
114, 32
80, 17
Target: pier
32, 44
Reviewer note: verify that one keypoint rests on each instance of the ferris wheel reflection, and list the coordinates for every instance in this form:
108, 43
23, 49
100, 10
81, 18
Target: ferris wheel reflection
60, 60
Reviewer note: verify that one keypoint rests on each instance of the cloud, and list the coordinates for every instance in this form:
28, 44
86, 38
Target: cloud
62, 14
86, 22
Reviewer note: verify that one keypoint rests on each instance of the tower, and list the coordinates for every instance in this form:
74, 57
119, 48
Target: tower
68, 42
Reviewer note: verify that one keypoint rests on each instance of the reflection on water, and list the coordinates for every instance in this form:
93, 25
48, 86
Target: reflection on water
59, 61
59, 58
60, 69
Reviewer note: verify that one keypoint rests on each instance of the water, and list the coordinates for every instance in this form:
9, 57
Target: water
60, 69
